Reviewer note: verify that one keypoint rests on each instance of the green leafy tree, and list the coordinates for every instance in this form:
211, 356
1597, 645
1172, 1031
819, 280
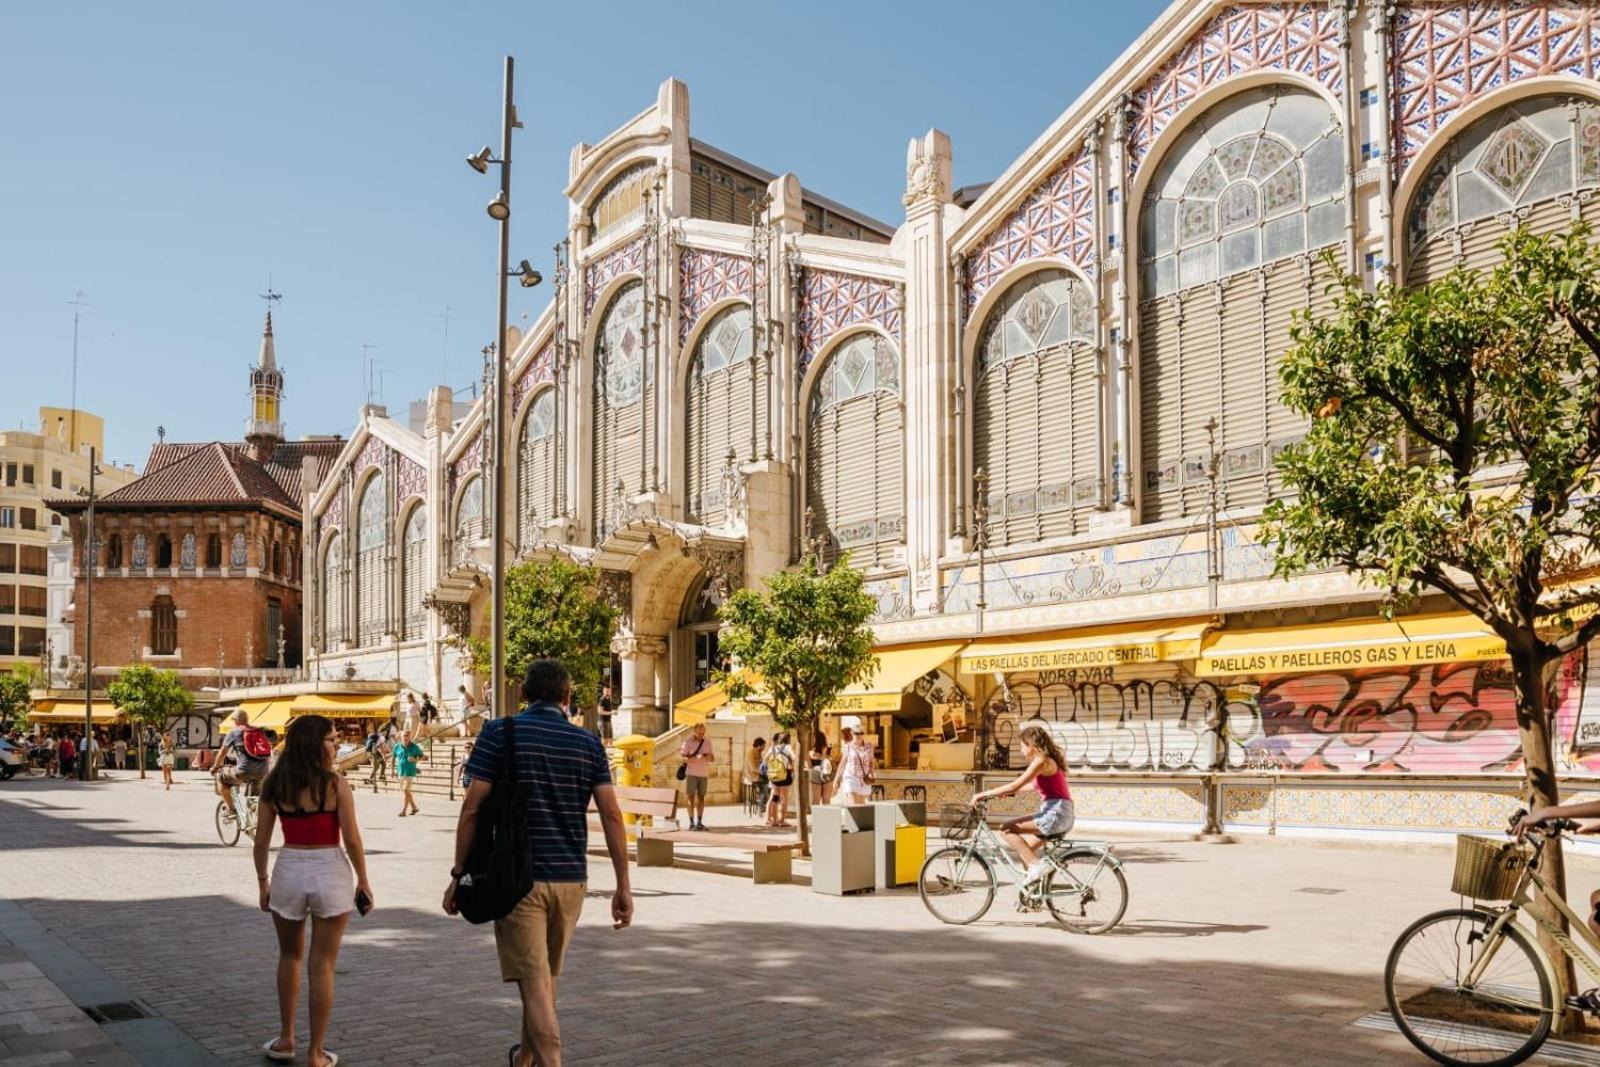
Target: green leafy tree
554, 610
1453, 448
806, 637
148, 697
15, 699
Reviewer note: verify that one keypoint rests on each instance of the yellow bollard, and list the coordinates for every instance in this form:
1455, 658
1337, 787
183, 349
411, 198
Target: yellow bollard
633, 764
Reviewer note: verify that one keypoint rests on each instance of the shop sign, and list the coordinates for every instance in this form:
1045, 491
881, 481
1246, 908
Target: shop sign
845, 703
1353, 657
1056, 659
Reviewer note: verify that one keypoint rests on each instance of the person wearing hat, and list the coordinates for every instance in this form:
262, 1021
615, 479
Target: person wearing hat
857, 764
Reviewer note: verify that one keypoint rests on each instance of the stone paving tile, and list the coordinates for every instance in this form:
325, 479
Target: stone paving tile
1219, 960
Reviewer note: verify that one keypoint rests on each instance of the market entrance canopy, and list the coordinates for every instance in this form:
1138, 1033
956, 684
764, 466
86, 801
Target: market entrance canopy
1442, 638
344, 705
1109, 646
898, 667
56, 711
696, 709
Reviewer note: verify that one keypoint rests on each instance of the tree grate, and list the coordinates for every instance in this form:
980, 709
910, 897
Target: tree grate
119, 1011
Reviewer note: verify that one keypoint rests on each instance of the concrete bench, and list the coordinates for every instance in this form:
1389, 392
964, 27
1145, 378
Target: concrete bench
773, 858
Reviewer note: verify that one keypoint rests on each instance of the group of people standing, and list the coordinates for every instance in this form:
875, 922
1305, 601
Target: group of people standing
771, 770
57, 752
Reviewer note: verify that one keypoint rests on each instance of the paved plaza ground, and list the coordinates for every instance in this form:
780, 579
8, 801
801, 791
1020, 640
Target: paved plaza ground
1262, 952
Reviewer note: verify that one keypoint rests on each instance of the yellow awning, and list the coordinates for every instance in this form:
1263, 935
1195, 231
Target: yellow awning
1442, 638
267, 714
66, 713
1110, 646
344, 705
898, 667
696, 709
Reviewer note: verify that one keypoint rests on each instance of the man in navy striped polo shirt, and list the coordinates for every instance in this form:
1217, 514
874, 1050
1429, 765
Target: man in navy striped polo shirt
564, 766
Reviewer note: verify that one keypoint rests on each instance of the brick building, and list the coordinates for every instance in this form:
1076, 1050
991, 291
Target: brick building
197, 564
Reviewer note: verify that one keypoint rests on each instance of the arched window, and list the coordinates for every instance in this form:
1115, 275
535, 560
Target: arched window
333, 594
371, 542
163, 551
718, 405
621, 201
213, 551
114, 551
621, 389
186, 552
1036, 414
237, 557
1230, 233
855, 473
536, 467
163, 627
1520, 164
414, 572
277, 558
470, 526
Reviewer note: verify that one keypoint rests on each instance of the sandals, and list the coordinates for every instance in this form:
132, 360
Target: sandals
277, 1054
511, 1054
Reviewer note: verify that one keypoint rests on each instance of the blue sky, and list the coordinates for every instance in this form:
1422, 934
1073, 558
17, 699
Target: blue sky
167, 158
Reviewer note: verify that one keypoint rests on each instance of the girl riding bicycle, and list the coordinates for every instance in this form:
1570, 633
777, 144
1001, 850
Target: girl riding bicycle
1047, 770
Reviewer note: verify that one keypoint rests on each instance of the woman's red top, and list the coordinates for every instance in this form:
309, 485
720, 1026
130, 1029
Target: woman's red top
310, 829
1053, 786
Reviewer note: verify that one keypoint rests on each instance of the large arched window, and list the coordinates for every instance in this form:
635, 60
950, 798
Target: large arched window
621, 201
719, 406
1036, 411
621, 398
855, 471
371, 545
536, 467
1520, 164
414, 572
1229, 239
471, 526
333, 594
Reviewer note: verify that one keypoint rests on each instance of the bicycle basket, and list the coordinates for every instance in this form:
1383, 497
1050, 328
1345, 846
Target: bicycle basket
957, 821
1487, 869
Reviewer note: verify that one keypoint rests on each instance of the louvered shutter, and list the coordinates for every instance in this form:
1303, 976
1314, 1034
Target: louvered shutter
888, 477
1239, 402
333, 594
1161, 407
414, 577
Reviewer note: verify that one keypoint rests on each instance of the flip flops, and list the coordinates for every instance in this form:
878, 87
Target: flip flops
277, 1054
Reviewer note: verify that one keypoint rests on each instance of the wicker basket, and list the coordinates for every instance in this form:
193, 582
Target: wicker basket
957, 822
1487, 869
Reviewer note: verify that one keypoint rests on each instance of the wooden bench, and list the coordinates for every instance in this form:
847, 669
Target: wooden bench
773, 858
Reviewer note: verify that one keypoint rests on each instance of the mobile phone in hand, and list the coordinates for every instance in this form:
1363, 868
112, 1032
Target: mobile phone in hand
363, 902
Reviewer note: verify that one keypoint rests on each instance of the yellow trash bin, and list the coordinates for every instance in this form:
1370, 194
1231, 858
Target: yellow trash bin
633, 764
910, 849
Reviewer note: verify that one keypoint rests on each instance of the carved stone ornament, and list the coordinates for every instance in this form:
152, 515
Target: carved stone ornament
733, 490
925, 178
616, 589
631, 646
724, 566
456, 616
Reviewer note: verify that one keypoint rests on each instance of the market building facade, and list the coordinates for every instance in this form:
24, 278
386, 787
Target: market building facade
1041, 413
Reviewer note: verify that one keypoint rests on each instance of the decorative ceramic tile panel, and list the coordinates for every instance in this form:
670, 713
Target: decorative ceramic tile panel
831, 301
412, 481
705, 278
1445, 57
468, 463
630, 257
1057, 219
541, 368
1302, 38
333, 514
372, 455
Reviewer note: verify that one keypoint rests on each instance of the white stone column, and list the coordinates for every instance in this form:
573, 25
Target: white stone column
927, 315
641, 711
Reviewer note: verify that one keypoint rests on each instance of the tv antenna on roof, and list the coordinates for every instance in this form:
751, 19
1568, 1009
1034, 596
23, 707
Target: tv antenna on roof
78, 303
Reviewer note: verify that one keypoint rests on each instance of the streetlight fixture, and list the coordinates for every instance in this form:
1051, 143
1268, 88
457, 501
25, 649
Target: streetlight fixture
480, 162
499, 208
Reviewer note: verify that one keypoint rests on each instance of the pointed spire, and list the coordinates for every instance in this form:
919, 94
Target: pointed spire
268, 360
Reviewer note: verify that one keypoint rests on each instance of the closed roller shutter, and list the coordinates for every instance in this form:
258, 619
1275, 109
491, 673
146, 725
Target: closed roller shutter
414, 573
372, 599
620, 396
855, 464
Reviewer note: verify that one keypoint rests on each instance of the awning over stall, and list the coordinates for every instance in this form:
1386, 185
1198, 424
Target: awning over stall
68, 713
267, 714
1108, 646
898, 667
344, 705
692, 710
1441, 638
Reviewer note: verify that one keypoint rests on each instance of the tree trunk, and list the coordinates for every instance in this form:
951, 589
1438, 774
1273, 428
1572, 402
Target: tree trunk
139, 742
803, 779
1532, 675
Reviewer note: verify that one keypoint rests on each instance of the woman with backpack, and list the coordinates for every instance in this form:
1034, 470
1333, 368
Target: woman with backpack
821, 765
312, 878
780, 774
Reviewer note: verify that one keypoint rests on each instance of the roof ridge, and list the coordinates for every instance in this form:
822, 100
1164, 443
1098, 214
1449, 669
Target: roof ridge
231, 459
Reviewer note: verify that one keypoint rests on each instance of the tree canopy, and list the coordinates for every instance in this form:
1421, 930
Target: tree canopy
555, 610
14, 697
149, 697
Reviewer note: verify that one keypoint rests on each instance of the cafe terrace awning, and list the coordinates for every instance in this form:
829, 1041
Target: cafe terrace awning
1109, 646
344, 705
1442, 638
696, 709
898, 667
65, 712
267, 714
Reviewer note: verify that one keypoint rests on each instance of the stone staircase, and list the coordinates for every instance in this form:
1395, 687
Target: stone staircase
436, 775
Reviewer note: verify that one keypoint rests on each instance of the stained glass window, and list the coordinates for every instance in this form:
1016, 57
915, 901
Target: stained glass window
542, 416
1258, 178
1043, 310
1515, 156
372, 513
470, 510
371, 535
621, 201
867, 363
621, 364
725, 343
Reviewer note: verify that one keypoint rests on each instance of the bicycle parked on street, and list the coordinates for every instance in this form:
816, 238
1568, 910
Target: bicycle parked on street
1472, 985
1084, 888
238, 817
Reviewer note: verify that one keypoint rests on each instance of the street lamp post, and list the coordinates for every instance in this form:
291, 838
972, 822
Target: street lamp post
89, 555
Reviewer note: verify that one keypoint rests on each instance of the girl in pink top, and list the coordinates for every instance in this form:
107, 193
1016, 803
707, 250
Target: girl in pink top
1047, 770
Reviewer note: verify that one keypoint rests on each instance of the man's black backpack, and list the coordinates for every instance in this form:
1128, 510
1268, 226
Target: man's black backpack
499, 868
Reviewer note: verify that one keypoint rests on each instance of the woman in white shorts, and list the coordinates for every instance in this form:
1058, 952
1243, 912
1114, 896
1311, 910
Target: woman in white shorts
856, 766
166, 760
313, 876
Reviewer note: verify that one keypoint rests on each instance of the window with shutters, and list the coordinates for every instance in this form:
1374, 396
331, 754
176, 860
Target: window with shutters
723, 194
371, 545
622, 380
213, 551
621, 201
1036, 413
333, 594
1230, 236
720, 394
855, 470
414, 572
536, 467
1524, 163
471, 526
163, 627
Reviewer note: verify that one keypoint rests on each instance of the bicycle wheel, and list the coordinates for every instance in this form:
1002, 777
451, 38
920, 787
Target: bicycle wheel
1086, 892
957, 885
227, 823
1502, 1019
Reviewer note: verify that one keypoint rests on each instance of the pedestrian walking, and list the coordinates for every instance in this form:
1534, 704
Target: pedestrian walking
820, 769
608, 708
67, 756
780, 775
462, 774
314, 877
755, 774
119, 753
406, 754
566, 768
857, 765
166, 760
430, 712
696, 773
413, 716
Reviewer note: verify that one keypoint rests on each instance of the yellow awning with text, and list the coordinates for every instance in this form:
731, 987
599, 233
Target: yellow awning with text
68, 713
1350, 645
344, 705
696, 709
898, 667
1110, 646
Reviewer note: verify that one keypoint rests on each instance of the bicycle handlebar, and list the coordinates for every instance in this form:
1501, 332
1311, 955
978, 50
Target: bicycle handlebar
1546, 829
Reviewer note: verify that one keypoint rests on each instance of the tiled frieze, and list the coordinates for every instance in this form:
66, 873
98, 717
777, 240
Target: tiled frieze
411, 481
705, 277
1056, 220
628, 258
830, 301
541, 368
